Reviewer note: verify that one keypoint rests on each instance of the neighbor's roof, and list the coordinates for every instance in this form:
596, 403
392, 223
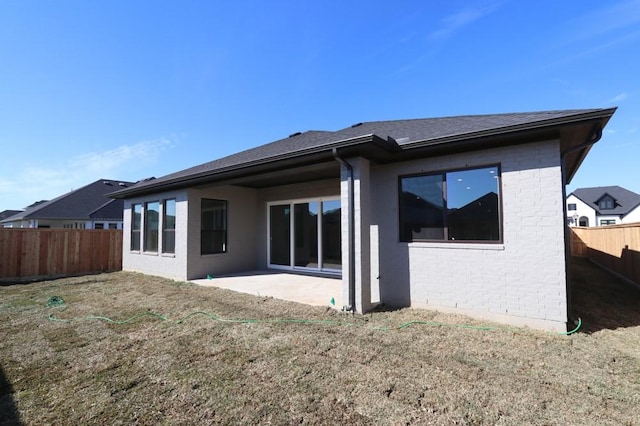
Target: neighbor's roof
388, 141
625, 200
8, 213
85, 203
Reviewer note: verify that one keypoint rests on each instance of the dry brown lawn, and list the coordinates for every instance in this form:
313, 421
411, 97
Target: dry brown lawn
333, 368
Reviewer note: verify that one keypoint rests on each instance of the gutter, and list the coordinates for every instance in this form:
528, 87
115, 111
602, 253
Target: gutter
352, 234
596, 136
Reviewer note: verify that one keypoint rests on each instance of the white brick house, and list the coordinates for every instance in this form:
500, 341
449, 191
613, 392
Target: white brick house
431, 213
602, 205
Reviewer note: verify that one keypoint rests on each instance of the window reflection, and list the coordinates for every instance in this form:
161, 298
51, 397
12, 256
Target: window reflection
460, 205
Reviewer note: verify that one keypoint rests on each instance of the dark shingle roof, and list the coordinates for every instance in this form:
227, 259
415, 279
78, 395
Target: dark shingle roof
625, 200
429, 129
78, 204
392, 136
8, 213
295, 143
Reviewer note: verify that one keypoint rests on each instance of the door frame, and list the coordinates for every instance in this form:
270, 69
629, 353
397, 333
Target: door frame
292, 203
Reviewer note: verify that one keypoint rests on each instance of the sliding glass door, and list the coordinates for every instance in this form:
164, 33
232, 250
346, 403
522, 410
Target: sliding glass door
305, 225
279, 235
308, 239
331, 235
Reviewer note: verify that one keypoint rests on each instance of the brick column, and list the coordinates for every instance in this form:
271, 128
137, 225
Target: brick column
361, 222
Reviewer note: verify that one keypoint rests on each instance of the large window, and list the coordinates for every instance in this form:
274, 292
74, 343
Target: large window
169, 226
461, 205
213, 234
136, 226
151, 226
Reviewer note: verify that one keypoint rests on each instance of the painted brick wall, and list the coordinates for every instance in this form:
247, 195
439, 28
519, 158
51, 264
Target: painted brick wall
521, 281
166, 265
241, 232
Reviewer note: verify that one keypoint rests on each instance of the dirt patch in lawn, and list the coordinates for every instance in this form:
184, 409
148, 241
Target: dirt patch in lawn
324, 368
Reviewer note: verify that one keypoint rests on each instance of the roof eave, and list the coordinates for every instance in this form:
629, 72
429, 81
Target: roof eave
370, 145
515, 129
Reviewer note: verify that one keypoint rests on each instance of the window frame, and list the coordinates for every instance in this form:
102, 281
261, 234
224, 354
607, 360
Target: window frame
165, 229
606, 203
445, 239
136, 232
572, 207
213, 228
147, 232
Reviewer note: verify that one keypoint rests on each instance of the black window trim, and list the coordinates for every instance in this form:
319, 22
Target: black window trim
226, 230
136, 234
164, 229
443, 172
145, 219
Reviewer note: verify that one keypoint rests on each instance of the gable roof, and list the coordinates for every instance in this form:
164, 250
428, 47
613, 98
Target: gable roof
82, 204
625, 200
8, 213
387, 141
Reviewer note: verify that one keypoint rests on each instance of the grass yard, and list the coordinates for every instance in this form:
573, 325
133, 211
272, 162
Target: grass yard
334, 368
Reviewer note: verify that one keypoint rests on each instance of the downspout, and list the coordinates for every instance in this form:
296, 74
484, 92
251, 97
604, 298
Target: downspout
597, 134
352, 234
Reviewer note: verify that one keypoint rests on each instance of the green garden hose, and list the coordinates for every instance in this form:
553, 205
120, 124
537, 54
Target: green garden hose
58, 301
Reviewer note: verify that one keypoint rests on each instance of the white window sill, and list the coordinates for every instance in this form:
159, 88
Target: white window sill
456, 246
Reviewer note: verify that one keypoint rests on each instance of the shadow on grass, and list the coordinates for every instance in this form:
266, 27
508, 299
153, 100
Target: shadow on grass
8, 412
5, 282
601, 299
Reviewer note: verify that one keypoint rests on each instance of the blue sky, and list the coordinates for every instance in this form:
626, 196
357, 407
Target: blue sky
131, 89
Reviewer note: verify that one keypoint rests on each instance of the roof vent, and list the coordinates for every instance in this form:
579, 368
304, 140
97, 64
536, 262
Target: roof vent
122, 184
106, 182
356, 125
295, 134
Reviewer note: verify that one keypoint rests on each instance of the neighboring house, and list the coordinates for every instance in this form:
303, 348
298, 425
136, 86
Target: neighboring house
435, 213
8, 213
603, 205
84, 208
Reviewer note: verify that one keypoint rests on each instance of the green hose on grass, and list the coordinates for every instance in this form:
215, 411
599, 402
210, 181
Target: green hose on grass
58, 301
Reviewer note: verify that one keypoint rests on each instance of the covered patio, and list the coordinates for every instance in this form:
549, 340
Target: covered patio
307, 289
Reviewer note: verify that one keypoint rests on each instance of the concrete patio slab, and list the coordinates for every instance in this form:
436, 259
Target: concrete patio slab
311, 290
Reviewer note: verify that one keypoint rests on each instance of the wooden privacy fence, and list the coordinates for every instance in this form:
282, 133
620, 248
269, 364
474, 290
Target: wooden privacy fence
615, 247
38, 253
